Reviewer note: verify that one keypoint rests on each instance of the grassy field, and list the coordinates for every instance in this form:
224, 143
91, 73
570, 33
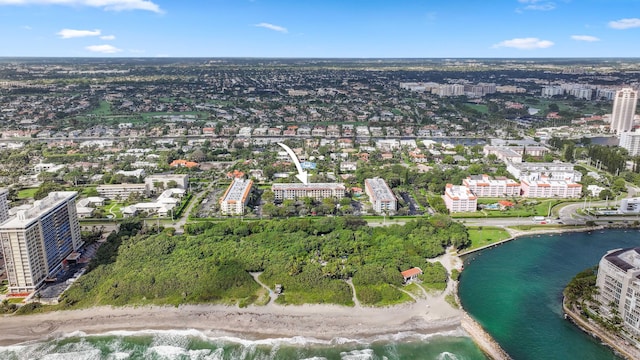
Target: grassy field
27, 193
103, 109
479, 107
486, 235
541, 208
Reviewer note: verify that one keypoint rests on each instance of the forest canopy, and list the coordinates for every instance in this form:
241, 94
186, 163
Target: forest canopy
310, 258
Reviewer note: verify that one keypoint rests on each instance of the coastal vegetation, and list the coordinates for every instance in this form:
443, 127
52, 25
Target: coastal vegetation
580, 296
310, 259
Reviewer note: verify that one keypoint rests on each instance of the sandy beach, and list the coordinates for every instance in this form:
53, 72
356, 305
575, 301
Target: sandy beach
319, 321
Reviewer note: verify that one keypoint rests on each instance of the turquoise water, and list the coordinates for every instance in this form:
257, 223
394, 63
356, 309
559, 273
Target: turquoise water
515, 292
193, 344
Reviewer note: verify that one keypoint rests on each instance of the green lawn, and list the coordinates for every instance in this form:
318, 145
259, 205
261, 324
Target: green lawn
114, 208
541, 208
479, 107
486, 235
103, 109
27, 193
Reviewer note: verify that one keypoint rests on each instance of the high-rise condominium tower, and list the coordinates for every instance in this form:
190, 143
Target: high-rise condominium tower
36, 241
624, 109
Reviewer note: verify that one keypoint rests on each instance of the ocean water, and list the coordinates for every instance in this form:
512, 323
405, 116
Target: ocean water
192, 344
515, 291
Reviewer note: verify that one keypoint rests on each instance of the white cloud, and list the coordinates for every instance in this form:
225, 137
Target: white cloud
272, 27
27, 27
104, 49
108, 37
71, 33
111, 5
524, 43
625, 23
540, 5
588, 38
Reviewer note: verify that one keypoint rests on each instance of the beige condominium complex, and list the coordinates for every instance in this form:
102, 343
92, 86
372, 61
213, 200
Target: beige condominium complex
236, 197
381, 197
36, 241
317, 191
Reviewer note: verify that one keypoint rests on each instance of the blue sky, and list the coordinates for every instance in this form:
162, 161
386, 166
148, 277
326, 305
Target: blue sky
320, 28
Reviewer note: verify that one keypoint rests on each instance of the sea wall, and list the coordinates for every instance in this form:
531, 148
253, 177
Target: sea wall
519, 234
621, 348
484, 341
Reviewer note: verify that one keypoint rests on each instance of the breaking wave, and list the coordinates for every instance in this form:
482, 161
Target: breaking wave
203, 345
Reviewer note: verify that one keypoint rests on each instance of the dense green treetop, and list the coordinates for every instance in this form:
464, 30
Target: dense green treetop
309, 257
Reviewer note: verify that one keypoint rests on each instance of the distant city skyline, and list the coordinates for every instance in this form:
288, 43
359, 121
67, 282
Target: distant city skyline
324, 29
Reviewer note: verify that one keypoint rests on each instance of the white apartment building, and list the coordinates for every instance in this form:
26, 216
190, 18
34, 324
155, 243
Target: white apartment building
4, 205
182, 180
236, 197
459, 199
317, 191
538, 171
624, 110
630, 140
550, 189
122, 191
163, 206
37, 240
380, 195
618, 283
549, 91
485, 186
503, 153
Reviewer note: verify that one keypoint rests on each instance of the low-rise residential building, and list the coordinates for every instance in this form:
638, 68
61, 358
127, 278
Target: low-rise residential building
181, 181
236, 197
485, 186
122, 191
317, 191
503, 153
184, 163
618, 283
536, 171
163, 206
550, 189
459, 199
382, 198
86, 207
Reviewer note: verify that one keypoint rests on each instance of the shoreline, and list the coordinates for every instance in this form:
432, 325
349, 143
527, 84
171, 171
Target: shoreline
515, 234
432, 316
628, 352
322, 322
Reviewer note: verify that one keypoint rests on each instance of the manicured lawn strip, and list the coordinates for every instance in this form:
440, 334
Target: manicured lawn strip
486, 235
27, 193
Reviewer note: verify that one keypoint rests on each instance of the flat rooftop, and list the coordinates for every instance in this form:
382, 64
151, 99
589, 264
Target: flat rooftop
25, 217
309, 186
238, 190
625, 259
379, 190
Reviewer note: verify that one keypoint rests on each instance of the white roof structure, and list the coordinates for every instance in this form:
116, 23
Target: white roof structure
24, 218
